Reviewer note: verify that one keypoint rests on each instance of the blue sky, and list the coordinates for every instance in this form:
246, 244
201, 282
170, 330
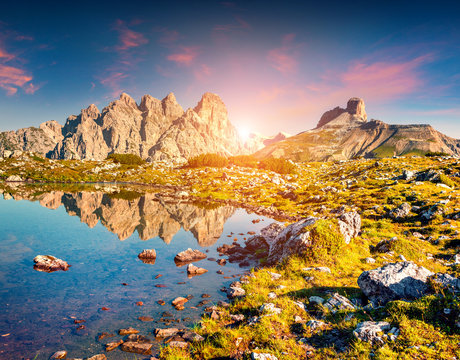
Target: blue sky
277, 65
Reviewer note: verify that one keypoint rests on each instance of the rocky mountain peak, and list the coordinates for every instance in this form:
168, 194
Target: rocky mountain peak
148, 102
212, 109
171, 107
91, 111
128, 100
355, 106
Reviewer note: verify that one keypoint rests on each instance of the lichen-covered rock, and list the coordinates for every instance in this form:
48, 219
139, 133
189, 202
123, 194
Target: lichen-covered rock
401, 280
295, 238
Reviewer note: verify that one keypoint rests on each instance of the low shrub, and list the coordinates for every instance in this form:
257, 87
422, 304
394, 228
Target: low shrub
126, 159
244, 160
280, 166
435, 154
212, 160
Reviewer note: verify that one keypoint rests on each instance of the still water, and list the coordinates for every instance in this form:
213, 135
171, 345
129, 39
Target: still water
100, 235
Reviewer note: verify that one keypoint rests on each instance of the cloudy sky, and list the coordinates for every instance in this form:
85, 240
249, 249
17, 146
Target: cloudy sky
277, 65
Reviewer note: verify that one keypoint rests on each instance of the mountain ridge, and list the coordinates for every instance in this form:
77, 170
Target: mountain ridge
342, 134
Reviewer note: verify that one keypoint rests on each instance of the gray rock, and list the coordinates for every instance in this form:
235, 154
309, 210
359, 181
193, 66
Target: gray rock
401, 280
234, 292
401, 212
447, 281
338, 302
371, 331
315, 324
350, 225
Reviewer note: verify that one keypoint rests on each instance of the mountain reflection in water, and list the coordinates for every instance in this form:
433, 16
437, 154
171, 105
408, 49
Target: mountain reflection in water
148, 214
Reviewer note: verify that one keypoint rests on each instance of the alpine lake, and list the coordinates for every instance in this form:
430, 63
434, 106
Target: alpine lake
99, 230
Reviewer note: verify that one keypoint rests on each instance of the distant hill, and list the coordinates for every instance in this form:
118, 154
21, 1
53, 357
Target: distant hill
346, 133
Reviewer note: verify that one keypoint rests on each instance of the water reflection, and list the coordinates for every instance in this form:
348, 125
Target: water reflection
124, 212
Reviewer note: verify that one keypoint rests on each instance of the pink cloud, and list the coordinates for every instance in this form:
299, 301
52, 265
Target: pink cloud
185, 56
12, 78
32, 88
128, 38
284, 58
379, 80
113, 82
5, 55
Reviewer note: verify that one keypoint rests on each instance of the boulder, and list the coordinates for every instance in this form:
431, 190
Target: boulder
446, 281
189, 255
128, 331
401, 212
371, 331
401, 280
294, 239
113, 345
195, 270
338, 302
162, 333
147, 254
135, 347
350, 225
49, 263
178, 301
97, 357
61, 354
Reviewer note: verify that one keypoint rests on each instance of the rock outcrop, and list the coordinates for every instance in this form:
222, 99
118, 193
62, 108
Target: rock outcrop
39, 140
402, 280
345, 133
277, 242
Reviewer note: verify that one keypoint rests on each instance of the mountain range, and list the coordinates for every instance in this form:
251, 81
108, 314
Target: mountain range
161, 130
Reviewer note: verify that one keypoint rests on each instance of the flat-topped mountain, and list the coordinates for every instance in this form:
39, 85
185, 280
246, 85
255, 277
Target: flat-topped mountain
154, 129
346, 133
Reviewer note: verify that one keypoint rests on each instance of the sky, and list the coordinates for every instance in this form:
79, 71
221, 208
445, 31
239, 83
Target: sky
277, 65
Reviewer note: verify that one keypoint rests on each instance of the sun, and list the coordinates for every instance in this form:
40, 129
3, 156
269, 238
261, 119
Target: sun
244, 133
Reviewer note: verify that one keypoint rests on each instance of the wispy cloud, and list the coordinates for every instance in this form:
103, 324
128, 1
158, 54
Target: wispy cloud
113, 81
128, 50
12, 78
127, 37
184, 56
284, 58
